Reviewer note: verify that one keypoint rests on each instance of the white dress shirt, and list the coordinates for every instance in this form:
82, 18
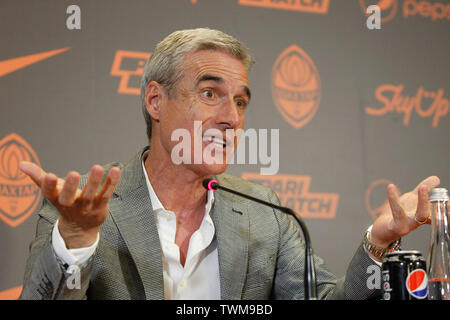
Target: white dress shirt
199, 279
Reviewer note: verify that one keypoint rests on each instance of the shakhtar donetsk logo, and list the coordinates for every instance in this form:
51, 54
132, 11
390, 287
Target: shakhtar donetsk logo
19, 196
296, 86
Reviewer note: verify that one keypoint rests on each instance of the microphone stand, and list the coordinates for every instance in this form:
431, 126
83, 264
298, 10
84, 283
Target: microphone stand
310, 274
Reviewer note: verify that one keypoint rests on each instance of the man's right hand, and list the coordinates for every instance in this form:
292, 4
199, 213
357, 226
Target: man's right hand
82, 212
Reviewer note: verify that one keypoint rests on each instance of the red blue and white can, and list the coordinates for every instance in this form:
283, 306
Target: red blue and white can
404, 276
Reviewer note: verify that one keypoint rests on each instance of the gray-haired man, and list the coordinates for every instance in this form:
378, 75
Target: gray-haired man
155, 233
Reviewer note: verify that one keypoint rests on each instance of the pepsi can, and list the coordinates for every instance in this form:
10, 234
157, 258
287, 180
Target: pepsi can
404, 276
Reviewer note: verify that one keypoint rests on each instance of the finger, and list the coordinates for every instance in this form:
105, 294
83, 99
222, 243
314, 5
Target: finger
398, 213
49, 186
33, 171
395, 190
92, 184
430, 182
67, 195
108, 187
423, 205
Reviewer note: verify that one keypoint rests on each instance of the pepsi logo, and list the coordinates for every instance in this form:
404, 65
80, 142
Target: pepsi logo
417, 284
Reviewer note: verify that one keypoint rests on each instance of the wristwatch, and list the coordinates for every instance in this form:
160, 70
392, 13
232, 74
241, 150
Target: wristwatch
379, 252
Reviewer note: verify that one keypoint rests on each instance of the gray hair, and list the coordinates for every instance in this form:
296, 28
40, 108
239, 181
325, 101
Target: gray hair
165, 62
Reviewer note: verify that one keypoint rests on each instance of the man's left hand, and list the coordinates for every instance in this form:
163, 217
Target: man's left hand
402, 213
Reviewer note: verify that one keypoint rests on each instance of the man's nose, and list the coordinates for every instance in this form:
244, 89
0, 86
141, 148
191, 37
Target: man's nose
229, 116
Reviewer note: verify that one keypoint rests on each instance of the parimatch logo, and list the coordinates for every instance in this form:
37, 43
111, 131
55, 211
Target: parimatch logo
311, 6
294, 192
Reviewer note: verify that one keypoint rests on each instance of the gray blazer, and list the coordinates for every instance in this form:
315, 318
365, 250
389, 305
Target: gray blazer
261, 251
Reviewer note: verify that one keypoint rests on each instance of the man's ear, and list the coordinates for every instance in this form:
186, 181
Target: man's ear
154, 96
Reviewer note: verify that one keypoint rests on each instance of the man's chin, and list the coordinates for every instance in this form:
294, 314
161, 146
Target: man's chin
205, 169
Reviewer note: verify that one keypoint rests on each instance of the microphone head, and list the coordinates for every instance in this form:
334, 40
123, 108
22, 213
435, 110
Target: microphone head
210, 184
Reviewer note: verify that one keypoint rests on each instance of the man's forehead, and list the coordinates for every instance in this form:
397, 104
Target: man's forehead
206, 61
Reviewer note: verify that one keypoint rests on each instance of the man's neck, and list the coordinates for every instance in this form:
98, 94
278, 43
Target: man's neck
180, 191
177, 188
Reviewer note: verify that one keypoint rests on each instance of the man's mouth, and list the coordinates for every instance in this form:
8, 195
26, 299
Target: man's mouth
216, 140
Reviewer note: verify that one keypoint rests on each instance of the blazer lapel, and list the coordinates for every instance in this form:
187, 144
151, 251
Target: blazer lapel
132, 212
232, 231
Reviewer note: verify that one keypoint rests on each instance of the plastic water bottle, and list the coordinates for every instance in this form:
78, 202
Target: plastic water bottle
438, 262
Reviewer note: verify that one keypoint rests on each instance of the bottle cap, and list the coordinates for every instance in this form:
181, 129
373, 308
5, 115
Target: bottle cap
439, 194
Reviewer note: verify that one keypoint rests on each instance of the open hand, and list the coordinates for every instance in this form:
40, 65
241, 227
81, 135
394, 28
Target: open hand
402, 213
82, 212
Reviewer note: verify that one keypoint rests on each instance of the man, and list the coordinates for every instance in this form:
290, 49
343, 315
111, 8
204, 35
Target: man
155, 233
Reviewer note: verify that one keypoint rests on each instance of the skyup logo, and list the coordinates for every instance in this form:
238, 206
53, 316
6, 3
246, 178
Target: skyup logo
296, 86
434, 10
311, 6
426, 103
19, 196
293, 192
129, 66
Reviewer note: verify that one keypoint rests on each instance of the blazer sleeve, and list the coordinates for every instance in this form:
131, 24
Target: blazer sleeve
289, 283
46, 277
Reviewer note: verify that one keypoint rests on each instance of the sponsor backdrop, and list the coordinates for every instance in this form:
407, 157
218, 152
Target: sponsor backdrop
355, 108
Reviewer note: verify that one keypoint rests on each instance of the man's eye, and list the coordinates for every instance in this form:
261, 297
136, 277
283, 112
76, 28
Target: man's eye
241, 103
208, 93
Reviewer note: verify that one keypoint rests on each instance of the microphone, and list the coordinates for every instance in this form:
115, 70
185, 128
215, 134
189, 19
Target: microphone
310, 274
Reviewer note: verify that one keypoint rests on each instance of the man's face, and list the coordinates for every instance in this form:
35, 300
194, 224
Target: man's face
213, 91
